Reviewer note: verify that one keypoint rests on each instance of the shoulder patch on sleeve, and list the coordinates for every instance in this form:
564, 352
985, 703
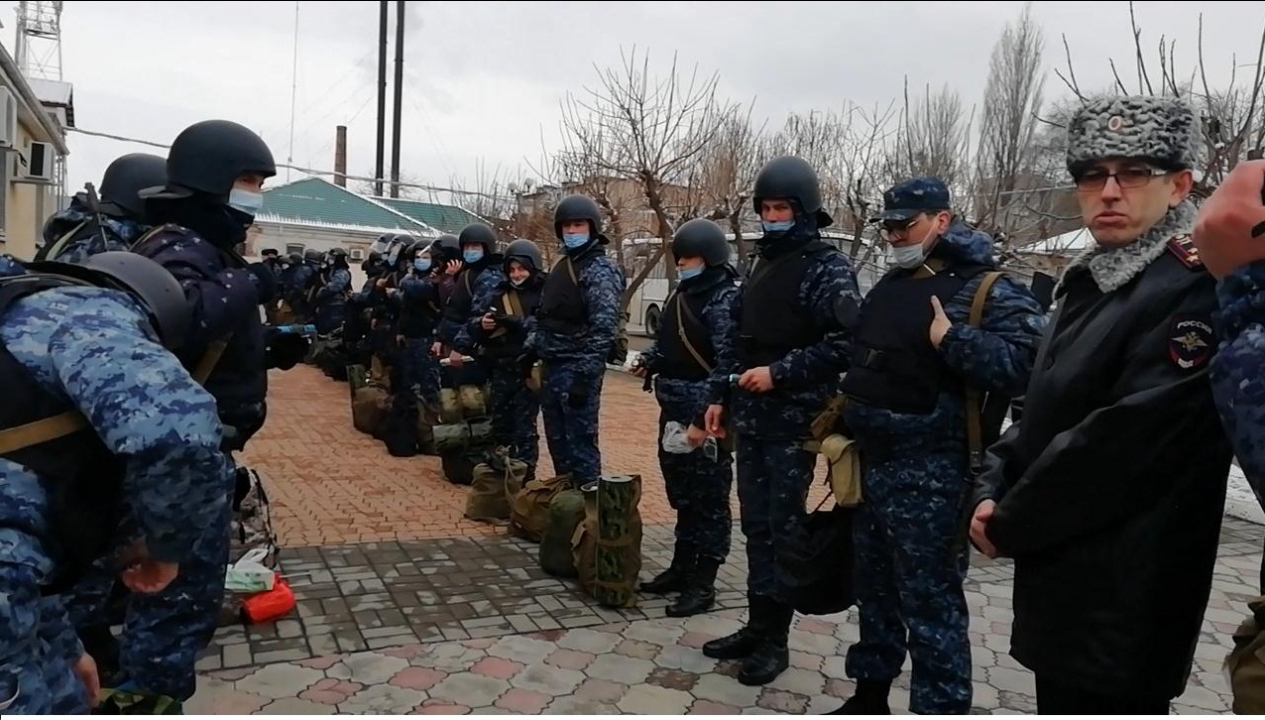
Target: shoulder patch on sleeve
1184, 249
1191, 342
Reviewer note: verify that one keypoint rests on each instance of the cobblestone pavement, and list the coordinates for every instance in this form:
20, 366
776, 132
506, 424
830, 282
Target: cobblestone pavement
331, 484
427, 627
404, 606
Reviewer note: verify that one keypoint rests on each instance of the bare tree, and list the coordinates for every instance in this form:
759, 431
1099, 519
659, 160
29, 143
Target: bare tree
726, 172
651, 132
1232, 117
488, 196
932, 139
1008, 192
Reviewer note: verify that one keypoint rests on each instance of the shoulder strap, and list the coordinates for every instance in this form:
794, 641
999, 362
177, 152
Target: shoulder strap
679, 301
151, 233
512, 304
51, 428
52, 251
974, 423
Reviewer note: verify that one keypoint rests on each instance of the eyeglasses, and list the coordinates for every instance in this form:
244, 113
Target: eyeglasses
1135, 177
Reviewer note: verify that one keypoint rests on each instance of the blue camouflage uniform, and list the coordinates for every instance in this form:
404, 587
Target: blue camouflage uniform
420, 308
774, 470
458, 335
698, 488
164, 632
574, 357
910, 562
514, 407
89, 233
1238, 370
331, 300
84, 345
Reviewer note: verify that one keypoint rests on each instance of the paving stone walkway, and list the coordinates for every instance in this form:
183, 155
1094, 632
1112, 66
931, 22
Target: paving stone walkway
454, 637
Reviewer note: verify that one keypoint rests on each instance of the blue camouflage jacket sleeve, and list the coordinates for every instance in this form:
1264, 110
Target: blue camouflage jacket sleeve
1238, 369
149, 411
487, 292
218, 299
602, 285
339, 282
998, 356
727, 365
830, 295
723, 326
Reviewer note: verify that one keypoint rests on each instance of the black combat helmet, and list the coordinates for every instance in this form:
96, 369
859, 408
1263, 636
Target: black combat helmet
412, 251
147, 281
445, 249
313, 256
702, 238
527, 253
478, 234
577, 207
791, 178
208, 157
338, 255
125, 178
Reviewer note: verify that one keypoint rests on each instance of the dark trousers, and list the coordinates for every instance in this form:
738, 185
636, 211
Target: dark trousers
1057, 699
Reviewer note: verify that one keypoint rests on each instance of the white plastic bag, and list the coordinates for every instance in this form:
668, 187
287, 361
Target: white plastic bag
249, 575
675, 442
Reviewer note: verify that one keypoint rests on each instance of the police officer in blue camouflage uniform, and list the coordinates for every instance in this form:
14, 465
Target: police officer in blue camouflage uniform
332, 295
502, 313
420, 310
480, 275
915, 354
119, 218
215, 175
791, 340
572, 334
1110, 490
691, 349
1230, 237
114, 426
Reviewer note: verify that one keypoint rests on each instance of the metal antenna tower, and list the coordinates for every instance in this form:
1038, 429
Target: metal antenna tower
39, 58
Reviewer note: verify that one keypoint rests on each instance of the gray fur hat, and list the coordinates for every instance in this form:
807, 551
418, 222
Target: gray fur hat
1163, 130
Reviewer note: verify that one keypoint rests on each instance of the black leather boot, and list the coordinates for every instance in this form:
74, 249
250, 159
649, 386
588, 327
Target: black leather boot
771, 656
869, 699
675, 578
700, 592
742, 643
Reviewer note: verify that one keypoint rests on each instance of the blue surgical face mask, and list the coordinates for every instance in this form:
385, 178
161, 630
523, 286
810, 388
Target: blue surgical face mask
688, 273
575, 240
776, 227
472, 255
245, 201
421, 264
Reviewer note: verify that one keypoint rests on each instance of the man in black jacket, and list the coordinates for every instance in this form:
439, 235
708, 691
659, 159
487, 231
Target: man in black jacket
1110, 491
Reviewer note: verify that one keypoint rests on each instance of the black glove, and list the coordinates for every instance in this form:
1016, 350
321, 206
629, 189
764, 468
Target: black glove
285, 350
578, 395
265, 282
525, 362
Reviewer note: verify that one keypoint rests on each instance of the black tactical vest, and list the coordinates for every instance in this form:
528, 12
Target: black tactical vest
418, 319
520, 303
459, 305
563, 310
894, 365
678, 362
83, 480
772, 324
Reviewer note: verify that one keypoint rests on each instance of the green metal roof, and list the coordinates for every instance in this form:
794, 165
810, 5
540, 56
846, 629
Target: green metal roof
444, 218
320, 203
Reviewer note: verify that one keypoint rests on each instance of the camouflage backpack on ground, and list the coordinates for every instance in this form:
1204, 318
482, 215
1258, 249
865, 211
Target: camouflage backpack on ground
251, 528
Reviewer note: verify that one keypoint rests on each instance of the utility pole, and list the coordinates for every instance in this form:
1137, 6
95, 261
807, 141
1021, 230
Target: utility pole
379, 170
399, 98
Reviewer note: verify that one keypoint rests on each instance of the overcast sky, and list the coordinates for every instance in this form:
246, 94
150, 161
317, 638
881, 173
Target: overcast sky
483, 80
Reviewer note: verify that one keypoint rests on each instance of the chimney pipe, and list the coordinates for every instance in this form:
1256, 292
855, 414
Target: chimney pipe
399, 98
340, 156
379, 169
